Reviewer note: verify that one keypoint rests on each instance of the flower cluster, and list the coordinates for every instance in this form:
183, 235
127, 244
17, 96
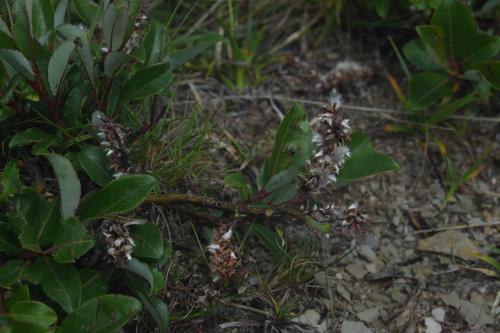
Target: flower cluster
112, 138
140, 22
224, 263
343, 220
118, 243
330, 140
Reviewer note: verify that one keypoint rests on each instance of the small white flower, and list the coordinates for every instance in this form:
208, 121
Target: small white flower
233, 255
335, 99
228, 234
104, 49
110, 152
345, 123
118, 174
353, 206
213, 248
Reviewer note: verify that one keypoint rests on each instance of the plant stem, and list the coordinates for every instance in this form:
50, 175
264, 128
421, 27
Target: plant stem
234, 210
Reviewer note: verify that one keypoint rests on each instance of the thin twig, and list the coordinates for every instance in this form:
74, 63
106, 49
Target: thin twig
176, 199
366, 109
459, 227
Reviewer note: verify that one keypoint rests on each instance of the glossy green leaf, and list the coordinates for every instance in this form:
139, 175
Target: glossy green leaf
95, 163
18, 293
10, 272
114, 62
6, 41
120, 195
114, 26
146, 82
33, 313
60, 13
85, 9
382, 7
269, 239
491, 72
293, 146
9, 180
443, 111
459, 28
62, 284
17, 60
364, 161
69, 184
416, 52
93, 284
36, 219
148, 241
282, 187
35, 271
71, 242
29, 136
158, 310
237, 181
103, 314
58, 64
427, 88
142, 270
433, 37
73, 106
153, 42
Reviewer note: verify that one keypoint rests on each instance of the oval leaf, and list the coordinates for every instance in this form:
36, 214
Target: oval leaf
71, 242
427, 88
58, 64
102, 314
93, 160
69, 185
34, 313
120, 195
62, 284
148, 242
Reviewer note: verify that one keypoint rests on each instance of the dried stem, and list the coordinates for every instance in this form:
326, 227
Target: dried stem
229, 209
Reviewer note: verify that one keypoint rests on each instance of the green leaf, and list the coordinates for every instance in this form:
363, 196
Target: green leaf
10, 272
93, 284
282, 187
239, 182
321, 227
85, 9
18, 293
36, 218
153, 42
158, 310
364, 161
93, 160
71, 242
60, 13
293, 145
62, 284
199, 44
73, 106
445, 110
114, 26
148, 241
382, 7
146, 82
103, 314
29, 136
114, 62
58, 64
8, 242
459, 28
427, 88
142, 270
120, 195
269, 239
6, 41
490, 71
33, 313
416, 52
485, 47
35, 271
69, 185
433, 37
17, 60
9, 180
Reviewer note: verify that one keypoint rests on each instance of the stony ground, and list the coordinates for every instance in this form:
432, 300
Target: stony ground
412, 269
